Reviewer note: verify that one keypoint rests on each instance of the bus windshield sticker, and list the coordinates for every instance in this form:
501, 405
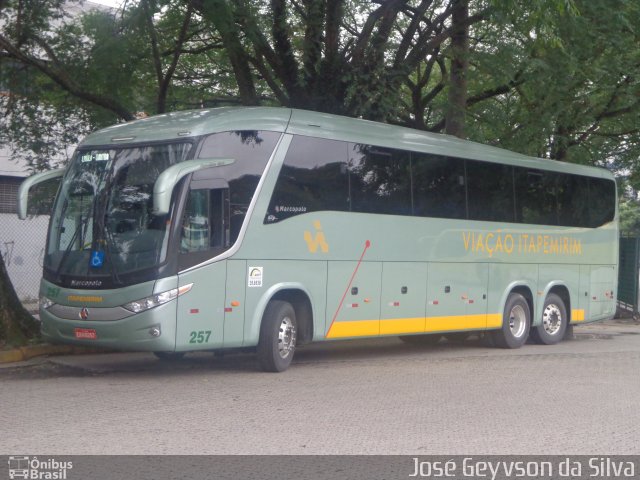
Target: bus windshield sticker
95, 157
97, 259
255, 277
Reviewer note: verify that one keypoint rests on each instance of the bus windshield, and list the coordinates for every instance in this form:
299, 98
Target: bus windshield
102, 223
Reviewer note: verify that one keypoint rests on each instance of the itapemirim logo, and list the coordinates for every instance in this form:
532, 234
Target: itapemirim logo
22, 466
313, 242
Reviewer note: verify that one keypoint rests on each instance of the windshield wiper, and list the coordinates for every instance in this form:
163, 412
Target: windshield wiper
82, 224
102, 232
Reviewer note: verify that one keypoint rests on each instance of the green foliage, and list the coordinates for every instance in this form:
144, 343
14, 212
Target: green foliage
550, 78
630, 218
577, 95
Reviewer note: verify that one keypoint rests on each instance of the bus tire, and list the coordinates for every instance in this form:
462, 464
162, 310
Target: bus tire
169, 356
425, 339
516, 322
554, 322
278, 335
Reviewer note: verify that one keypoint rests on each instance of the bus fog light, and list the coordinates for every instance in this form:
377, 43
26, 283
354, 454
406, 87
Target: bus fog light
154, 332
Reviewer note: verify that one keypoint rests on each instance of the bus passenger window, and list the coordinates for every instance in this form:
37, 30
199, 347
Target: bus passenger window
204, 223
314, 178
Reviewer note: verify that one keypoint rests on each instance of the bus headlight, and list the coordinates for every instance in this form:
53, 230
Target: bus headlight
157, 299
45, 302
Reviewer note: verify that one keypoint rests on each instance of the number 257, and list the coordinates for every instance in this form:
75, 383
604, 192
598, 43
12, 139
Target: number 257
200, 337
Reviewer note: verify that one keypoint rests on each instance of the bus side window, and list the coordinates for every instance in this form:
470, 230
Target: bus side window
314, 178
205, 221
536, 196
602, 204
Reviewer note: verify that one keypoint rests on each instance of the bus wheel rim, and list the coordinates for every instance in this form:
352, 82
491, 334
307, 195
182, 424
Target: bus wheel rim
551, 319
517, 321
286, 337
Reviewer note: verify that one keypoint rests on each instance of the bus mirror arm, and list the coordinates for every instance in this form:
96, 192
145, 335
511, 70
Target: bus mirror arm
25, 186
168, 179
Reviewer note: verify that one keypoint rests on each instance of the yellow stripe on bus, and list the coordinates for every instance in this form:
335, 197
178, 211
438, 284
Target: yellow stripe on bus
577, 315
399, 326
361, 328
402, 325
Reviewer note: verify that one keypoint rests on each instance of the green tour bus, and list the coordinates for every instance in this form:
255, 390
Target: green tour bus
268, 228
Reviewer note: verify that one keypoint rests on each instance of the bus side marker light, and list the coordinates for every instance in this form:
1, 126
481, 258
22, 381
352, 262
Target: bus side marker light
352, 305
235, 303
394, 304
367, 300
194, 310
228, 309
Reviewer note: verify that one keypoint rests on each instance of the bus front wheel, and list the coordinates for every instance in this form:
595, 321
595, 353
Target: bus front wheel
278, 335
554, 322
516, 322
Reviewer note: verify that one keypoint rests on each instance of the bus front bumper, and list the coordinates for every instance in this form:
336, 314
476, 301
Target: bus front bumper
153, 330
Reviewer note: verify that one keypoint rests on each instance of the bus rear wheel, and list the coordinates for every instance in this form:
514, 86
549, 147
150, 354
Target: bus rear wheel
278, 335
516, 322
554, 322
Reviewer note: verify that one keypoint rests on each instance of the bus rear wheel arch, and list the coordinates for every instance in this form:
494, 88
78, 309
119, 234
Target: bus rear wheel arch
278, 336
554, 321
516, 322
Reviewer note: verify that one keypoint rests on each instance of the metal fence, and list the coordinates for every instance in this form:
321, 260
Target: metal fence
628, 271
22, 245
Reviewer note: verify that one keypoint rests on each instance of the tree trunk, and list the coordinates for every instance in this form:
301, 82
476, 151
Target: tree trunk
17, 326
455, 116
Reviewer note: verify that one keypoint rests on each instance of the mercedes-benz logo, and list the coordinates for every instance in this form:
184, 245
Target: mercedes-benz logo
84, 313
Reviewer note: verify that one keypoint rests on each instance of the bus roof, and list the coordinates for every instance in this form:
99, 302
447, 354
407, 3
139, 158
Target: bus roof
193, 123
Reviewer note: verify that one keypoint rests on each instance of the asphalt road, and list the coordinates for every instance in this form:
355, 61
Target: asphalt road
356, 397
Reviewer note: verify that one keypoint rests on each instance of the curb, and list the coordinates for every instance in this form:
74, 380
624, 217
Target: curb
21, 354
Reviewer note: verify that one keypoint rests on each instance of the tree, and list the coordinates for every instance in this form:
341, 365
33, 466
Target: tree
629, 218
574, 92
457, 98
17, 326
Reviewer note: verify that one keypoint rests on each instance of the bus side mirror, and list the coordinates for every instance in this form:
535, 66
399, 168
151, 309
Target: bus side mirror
168, 179
25, 186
